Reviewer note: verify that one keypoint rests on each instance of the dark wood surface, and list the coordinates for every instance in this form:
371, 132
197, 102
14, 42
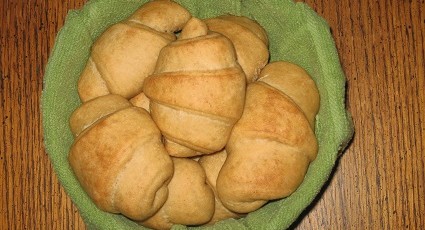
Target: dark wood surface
379, 182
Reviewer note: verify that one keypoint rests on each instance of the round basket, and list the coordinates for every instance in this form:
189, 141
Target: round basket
296, 34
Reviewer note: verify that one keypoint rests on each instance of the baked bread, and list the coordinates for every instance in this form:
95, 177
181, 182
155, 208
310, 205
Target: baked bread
118, 157
190, 200
140, 100
197, 91
248, 37
212, 165
271, 146
190, 128
126, 53
178, 150
296, 83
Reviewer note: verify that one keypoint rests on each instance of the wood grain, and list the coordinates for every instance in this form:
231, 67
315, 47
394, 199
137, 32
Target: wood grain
31, 196
379, 182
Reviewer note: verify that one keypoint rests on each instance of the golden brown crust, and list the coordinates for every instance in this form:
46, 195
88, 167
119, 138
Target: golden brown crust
296, 83
191, 95
92, 111
212, 165
217, 93
201, 132
193, 28
269, 150
178, 150
121, 163
140, 100
126, 53
249, 23
271, 114
190, 200
91, 83
198, 89
248, 37
203, 53
162, 15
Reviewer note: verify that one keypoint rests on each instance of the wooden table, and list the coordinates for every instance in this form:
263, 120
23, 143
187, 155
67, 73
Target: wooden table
379, 182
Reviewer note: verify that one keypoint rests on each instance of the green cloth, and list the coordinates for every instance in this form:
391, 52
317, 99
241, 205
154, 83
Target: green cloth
296, 34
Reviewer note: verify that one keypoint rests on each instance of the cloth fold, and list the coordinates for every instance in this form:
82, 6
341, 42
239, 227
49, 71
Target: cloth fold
296, 33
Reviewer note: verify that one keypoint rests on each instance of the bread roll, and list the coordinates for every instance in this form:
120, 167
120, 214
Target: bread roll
91, 111
248, 37
270, 147
126, 53
197, 91
212, 165
190, 200
118, 157
296, 83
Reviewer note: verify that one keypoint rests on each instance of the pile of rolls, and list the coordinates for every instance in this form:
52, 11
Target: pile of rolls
185, 121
